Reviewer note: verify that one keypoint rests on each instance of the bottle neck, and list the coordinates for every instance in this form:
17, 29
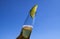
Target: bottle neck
26, 33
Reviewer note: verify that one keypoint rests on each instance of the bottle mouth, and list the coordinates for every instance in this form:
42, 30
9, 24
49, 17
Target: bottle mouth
27, 27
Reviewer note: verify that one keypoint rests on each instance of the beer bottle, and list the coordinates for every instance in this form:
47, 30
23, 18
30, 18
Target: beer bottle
27, 27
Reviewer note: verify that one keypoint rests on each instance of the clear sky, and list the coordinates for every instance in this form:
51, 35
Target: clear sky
14, 12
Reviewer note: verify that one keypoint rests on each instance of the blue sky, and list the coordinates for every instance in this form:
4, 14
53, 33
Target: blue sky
14, 12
